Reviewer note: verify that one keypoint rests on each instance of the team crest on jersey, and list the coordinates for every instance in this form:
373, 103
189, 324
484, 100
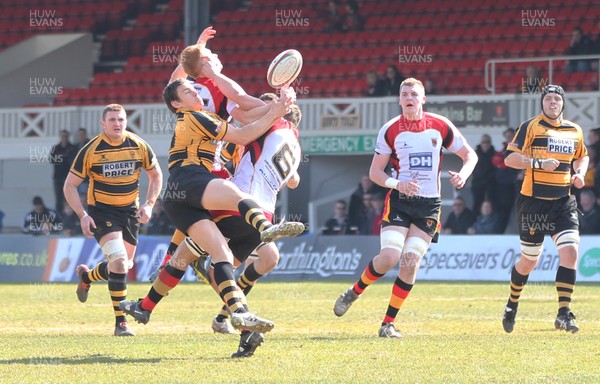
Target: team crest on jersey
564, 146
434, 142
429, 223
531, 231
109, 224
132, 154
103, 157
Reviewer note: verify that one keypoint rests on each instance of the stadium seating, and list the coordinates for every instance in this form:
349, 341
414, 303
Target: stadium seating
146, 37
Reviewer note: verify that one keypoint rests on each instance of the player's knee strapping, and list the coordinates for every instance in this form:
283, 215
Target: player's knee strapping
567, 238
115, 250
531, 251
392, 240
194, 248
416, 246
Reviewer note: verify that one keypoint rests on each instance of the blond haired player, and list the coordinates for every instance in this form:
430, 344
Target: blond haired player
413, 143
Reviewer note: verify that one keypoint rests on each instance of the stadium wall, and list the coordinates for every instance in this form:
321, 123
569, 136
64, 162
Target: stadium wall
337, 137
309, 257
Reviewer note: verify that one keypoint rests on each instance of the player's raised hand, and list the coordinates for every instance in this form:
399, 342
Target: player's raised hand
457, 180
288, 95
206, 35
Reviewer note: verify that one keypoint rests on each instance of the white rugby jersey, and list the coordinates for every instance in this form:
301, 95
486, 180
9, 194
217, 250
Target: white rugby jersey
268, 163
415, 149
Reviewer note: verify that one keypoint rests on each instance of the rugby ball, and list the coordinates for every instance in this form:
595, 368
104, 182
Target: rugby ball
284, 68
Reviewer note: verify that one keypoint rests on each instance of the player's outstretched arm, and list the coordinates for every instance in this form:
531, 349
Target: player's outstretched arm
232, 90
206, 35
250, 132
248, 116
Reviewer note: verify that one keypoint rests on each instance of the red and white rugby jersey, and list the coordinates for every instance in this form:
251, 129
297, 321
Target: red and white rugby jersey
214, 100
268, 163
415, 149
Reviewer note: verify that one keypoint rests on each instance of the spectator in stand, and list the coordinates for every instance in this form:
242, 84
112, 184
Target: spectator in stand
533, 82
375, 86
367, 216
483, 180
589, 216
353, 21
594, 139
1, 221
62, 156
595, 47
580, 45
392, 80
82, 139
460, 219
160, 224
339, 224
429, 87
335, 21
487, 222
42, 220
356, 200
592, 171
506, 178
71, 223
378, 202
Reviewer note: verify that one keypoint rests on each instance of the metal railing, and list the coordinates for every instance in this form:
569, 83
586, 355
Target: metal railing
492, 64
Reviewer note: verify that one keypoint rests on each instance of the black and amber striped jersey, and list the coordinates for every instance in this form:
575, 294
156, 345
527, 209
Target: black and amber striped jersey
195, 139
541, 139
114, 170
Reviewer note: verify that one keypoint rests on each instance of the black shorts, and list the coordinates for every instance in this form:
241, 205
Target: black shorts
243, 237
402, 211
183, 196
115, 219
538, 217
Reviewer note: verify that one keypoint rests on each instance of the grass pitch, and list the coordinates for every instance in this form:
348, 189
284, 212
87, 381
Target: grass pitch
452, 334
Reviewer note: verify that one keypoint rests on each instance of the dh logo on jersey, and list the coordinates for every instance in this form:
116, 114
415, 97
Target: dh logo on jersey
422, 161
565, 146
